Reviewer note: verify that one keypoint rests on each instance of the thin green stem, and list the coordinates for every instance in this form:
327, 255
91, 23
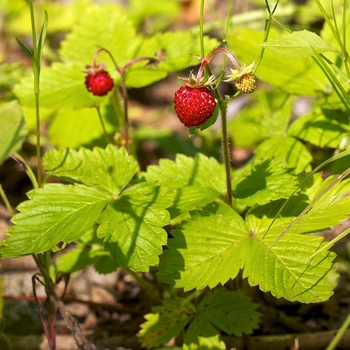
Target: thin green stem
344, 31
330, 24
201, 32
268, 21
339, 334
38, 140
19, 159
6, 201
36, 71
108, 140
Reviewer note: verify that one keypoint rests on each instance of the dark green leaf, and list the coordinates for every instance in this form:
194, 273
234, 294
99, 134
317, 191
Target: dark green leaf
229, 312
166, 322
13, 129
321, 127
262, 181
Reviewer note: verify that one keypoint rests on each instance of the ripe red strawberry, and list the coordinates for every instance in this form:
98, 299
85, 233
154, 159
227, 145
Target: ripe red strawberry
99, 83
194, 105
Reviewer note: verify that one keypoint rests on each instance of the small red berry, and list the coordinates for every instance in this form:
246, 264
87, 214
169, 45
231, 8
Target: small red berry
194, 105
99, 83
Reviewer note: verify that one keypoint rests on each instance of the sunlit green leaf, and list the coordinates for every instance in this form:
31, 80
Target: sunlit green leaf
62, 86
301, 77
74, 128
213, 246
110, 169
205, 252
154, 15
56, 213
132, 226
194, 181
298, 44
267, 116
103, 25
177, 46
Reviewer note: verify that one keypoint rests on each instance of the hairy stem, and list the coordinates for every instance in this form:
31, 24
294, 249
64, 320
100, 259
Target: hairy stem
226, 149
126, 111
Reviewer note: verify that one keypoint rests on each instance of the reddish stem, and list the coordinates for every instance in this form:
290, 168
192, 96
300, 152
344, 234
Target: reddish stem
122, 72
205, 61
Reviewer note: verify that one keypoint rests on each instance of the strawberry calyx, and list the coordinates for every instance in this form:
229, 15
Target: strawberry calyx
243, 78
198, 82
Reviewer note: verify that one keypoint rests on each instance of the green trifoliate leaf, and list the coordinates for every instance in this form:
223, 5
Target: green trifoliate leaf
56, 213
132, 226
110, 169
262, 181
13, 129
166, 322
193, 181
321, 127
228, 312
298, 44
213, 246
131, 220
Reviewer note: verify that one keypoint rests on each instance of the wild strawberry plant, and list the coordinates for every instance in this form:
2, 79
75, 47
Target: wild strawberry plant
195, 221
